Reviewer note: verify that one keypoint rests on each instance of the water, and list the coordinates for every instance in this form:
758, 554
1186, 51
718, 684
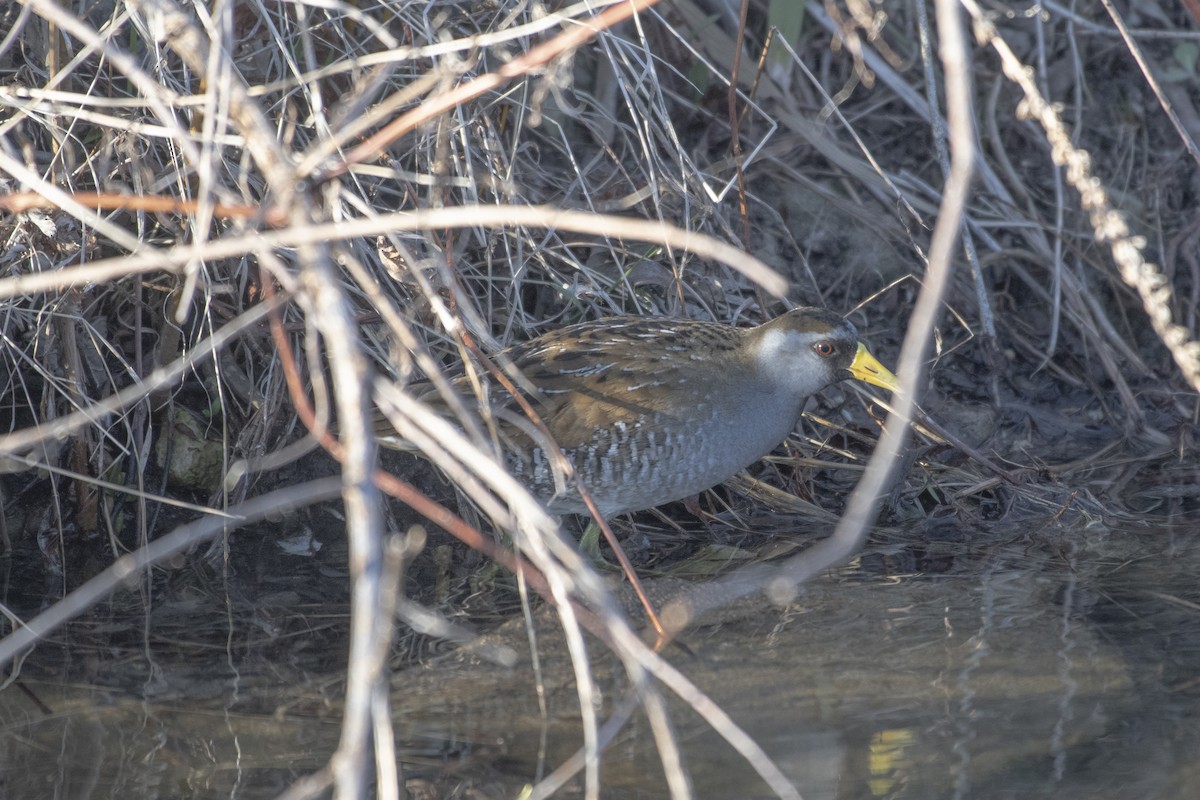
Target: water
1044, 663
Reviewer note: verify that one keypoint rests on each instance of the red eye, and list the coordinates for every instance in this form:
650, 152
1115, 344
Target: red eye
823, 349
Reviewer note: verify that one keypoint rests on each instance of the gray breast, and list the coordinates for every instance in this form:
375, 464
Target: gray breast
666, 457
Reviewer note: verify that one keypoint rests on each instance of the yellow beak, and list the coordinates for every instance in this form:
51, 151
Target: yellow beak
867, 368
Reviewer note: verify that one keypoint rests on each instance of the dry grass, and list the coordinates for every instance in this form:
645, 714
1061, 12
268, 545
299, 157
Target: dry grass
323, 193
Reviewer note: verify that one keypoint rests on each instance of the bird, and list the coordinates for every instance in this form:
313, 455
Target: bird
651, 410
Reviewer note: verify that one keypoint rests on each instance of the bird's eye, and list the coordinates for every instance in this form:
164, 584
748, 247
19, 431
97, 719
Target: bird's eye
823, 349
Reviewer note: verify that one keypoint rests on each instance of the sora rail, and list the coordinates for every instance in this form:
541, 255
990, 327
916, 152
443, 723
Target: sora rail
652, 410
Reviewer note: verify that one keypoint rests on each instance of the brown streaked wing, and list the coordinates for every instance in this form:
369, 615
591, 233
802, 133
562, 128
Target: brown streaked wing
594, 375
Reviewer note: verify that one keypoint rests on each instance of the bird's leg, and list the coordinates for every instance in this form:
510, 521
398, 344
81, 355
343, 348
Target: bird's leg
692, 504
589, 545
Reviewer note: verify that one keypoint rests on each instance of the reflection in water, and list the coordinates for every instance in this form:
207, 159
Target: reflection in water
1031, 672
889, 760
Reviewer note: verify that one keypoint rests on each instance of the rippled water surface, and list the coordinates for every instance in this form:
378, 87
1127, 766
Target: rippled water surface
1037, 664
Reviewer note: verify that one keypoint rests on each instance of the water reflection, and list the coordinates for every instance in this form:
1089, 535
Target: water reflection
1066, 669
